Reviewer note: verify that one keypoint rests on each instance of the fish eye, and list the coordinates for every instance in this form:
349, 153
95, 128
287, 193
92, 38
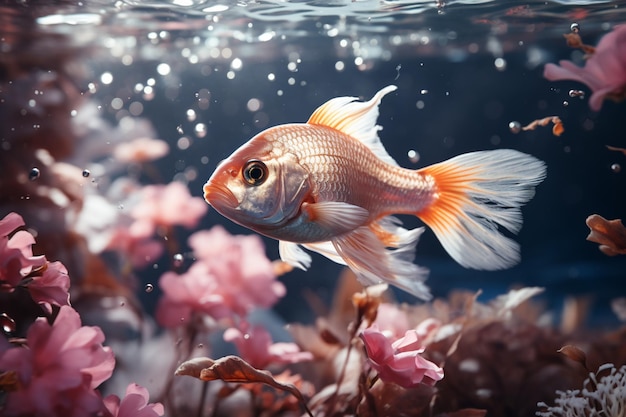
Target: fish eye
254, 172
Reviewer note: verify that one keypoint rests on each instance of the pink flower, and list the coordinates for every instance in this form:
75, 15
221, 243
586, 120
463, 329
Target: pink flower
604, 72
391, 321
400, 362
134, 404
46, 282
52, 287
141, 150
59, 370
232, 276
16, 254
167, 205
245, 273
197, 290
255, 347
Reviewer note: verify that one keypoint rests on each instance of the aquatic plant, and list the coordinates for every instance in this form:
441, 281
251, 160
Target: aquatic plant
600, 396
604, 71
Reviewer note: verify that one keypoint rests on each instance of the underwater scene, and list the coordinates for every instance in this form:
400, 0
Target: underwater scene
312, 208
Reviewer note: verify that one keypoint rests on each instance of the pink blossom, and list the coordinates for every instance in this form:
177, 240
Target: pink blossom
16, 254
400, 362
604, 72
141, 150
255, 347
167, 205
232, 276
134, 404
59, 370
197, 290
245, 273
52, 287
392, 321
46, 282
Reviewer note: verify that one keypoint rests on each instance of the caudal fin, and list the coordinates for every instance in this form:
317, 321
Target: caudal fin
475, 193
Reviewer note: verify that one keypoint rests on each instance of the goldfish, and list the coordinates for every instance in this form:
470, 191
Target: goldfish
329, 186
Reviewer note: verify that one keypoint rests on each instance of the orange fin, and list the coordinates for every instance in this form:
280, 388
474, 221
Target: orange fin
356, 119
474, 194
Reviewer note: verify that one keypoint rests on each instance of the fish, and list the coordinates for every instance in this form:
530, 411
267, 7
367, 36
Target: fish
329, 186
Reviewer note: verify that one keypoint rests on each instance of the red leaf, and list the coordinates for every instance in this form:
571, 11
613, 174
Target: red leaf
234, 369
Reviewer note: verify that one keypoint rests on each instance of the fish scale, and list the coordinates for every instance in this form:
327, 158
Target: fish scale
364, 180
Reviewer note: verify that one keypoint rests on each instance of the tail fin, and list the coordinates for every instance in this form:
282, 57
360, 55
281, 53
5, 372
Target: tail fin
476, 193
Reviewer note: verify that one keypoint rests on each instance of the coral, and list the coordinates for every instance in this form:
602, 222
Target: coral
600, 396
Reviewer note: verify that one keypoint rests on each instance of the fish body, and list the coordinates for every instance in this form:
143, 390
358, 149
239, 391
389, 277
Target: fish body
329, 185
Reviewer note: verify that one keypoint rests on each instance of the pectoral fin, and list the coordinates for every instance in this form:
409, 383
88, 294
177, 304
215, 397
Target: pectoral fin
337, 217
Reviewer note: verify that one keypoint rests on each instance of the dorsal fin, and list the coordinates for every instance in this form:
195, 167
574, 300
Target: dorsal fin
356, 119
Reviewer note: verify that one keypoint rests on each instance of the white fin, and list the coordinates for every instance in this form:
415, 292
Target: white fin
475, 193
327, 249
336, 216
373, 263
356, 119
292, 254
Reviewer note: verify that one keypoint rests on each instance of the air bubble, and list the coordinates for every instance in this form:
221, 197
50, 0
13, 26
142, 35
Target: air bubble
616, 168
515, 127
178, 259
200, 130
191, 115
149, 288
180, 130
34, 174
414, 157
7, 323
577, 93
565, 103
500, 64
574, 27
86, 173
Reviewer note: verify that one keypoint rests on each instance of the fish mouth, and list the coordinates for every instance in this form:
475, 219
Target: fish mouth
219, 196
